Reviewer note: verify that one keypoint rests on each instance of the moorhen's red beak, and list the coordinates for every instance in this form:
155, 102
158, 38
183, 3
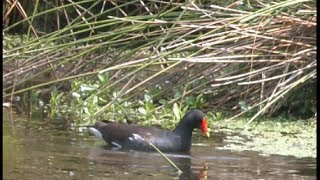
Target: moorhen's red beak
204, 127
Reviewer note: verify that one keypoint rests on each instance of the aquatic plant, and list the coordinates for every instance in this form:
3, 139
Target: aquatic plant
231, 56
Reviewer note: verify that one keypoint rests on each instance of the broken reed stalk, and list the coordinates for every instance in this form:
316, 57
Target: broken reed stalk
163, 155
281, 94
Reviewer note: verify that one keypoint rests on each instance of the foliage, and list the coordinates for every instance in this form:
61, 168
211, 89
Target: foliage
143, 59
301, 102
84, 105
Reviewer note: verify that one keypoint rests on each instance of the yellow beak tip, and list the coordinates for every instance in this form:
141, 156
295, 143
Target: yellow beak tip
207, 134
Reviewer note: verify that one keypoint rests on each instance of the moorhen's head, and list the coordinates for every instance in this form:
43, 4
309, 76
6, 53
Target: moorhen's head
195, 118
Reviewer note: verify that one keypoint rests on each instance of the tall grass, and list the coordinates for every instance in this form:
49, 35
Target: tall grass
236, 53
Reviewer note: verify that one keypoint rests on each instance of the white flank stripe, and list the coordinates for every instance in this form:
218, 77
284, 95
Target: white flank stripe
95, 132
116, 144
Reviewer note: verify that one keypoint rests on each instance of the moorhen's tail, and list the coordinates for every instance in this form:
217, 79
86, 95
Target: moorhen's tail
96, 128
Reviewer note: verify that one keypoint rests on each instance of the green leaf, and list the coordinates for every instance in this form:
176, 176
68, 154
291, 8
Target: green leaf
142, 110
95, 100
102, 78
149, 107
176, 111
85, 87
147, 98
163, 101
86, 110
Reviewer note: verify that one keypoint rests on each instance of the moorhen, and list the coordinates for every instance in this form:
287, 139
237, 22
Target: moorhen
132, 136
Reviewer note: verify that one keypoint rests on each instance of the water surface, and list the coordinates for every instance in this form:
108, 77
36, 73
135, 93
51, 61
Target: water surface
38, 149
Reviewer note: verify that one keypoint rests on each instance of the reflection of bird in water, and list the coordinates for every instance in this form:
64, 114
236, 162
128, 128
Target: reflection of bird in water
189, 170
145, 163
203, 172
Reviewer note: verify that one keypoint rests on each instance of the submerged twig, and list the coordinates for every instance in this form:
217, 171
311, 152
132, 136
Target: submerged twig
163, 155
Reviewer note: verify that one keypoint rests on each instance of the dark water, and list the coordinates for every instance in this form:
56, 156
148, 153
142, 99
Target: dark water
46, 150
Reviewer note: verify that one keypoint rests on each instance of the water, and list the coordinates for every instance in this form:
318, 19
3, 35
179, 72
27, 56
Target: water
44, 150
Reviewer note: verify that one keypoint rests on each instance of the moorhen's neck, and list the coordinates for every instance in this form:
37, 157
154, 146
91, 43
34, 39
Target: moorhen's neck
184, 129
190, 120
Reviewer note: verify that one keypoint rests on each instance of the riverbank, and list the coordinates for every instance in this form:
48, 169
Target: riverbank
270, 136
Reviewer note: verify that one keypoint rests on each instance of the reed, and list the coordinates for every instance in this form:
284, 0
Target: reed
230, 52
